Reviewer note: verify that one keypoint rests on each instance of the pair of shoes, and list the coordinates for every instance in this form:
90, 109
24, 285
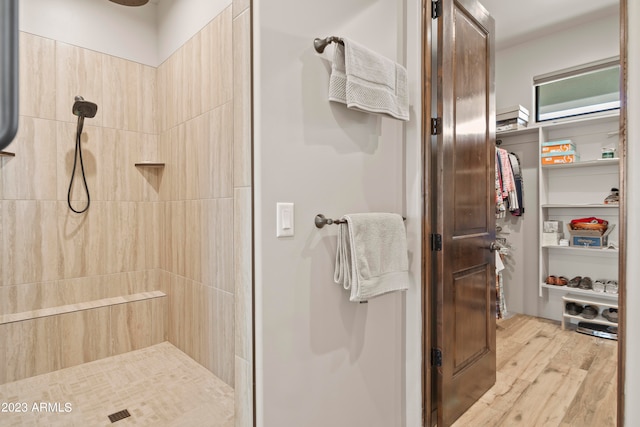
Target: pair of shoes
611, 287
599, 285
611, 314
585, 283
590, 311
558, 281
573, 309
573, 283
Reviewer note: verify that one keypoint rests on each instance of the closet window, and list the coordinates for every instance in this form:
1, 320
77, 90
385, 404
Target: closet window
586, 89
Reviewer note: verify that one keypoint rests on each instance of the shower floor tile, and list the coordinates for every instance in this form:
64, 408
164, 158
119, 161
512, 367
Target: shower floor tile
158, 385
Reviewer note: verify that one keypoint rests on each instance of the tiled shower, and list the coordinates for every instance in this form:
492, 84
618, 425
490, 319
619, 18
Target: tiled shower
164, 251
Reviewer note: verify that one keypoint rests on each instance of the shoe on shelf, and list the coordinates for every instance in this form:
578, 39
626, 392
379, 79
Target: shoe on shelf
611, 287
599, 285
590, 312
573, 283
573, 309
585, 283
551, 280
561, 281
611, 314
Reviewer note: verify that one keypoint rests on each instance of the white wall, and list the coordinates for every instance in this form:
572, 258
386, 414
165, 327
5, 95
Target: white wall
100, 25
147, 34
632, 333
517, 65
321, 360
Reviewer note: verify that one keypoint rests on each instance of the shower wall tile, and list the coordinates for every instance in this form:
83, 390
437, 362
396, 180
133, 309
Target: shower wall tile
29, 242
192, 59
216, 238
243, 393
81, 240
217, 71
78, 72
91, 142
37, 70
38, 351
172, 151
129, 91
84, 336
162, 93
196, 149
221, 321
240, 6
242, 269
242, 97
31, 174
159, 319
217, 153
131, 326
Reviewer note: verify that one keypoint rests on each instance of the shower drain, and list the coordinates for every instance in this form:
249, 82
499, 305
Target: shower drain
119, 416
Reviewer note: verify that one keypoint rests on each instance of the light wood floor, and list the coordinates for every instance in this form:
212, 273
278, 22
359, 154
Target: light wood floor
548, 377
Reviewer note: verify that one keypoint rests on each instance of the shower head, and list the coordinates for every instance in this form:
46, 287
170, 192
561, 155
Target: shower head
131, 2
82, 108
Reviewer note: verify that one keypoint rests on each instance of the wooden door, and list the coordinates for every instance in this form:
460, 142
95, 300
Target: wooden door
465, 208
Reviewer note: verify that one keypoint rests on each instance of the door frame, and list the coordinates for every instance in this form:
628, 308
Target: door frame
428, 182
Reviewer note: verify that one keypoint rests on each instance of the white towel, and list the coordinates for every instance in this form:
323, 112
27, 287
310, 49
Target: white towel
371, 258
367, 81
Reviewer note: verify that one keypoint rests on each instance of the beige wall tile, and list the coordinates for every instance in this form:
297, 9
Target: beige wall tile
47, 350
162, 97
31, 174
37, 71
242, 273
78, 72
222, 323
192, 249
29, 242
131, 326
175, 79
81, 240
91, 141
196, 146
159, 319
177, 311
192, 81
129, 95
242, 98
243, 393
84, 336
217, 244
218, 69
219, 161
240, 6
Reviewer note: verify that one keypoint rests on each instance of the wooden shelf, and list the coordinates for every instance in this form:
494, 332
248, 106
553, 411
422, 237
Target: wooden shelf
7, 154
150, 164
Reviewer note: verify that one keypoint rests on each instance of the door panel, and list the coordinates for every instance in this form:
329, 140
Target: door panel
464, 276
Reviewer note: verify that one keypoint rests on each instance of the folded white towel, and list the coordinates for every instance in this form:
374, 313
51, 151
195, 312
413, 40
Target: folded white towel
371, 258
367, 81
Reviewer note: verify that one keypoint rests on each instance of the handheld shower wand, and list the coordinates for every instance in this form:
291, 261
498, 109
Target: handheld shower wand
82, 109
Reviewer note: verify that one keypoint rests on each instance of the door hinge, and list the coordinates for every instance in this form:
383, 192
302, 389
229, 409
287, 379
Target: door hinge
436, 9
436, 357
436, 242
436, 126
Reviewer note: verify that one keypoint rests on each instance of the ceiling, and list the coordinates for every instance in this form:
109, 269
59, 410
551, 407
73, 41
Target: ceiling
520, 20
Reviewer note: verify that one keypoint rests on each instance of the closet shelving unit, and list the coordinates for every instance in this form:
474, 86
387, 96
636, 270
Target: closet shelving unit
572, 191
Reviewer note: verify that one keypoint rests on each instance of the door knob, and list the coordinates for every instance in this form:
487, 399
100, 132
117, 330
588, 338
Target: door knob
493, 246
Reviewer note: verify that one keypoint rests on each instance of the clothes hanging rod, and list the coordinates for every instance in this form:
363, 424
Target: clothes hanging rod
319, 44
322, 220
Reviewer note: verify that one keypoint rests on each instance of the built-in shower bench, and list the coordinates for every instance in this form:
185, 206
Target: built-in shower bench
70, 308
45, 340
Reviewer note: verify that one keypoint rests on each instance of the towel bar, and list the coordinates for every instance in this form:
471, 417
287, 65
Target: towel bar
319, 44
322, 220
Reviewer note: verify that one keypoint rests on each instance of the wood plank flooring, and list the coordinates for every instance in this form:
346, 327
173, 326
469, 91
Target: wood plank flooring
548, 377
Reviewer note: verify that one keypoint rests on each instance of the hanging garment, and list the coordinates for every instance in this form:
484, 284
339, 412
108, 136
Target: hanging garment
519, 184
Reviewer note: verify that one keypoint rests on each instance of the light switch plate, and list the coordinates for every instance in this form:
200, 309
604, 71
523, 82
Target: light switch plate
285, 219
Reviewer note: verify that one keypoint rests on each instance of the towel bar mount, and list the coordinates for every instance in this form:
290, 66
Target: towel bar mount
320, 44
